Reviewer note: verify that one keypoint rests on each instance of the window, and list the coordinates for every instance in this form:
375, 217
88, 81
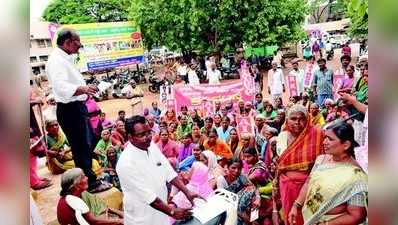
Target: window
48, 42
43, 58
33, 59
41, 43
36, 70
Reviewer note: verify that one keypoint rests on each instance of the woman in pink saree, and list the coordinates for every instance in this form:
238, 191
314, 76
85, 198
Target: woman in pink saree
168, 147
94, 113
198, 183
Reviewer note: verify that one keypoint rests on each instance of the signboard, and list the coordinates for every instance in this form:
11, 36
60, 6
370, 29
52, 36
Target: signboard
309, 74
292, 85
105, 45
187, 95
244, 125
337, 81
171, 104
208, 108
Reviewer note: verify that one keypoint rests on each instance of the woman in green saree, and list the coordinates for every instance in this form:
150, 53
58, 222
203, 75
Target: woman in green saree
336, 190
59, 154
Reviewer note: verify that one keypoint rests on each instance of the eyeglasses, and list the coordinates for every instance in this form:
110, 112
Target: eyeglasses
143, 134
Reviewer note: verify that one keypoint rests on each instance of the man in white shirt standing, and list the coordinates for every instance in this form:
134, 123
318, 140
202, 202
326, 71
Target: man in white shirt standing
276, 81
299, 74
182, 70
70, 92
192, 76
143, 173
214, 75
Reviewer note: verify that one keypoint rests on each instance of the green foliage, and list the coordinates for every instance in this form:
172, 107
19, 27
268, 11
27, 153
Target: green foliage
358, 12
319, 8
86, 11
218, 25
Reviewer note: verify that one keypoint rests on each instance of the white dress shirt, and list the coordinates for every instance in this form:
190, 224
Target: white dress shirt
64, 77
143, 176
214, 76
182, 70
299, 74
276, 81
193, 78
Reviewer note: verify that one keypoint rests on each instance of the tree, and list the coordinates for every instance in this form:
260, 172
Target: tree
335, 9
358, 12
218, 25
86, 11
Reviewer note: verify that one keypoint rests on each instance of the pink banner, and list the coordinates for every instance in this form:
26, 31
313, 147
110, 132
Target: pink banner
292, 85
192, 96
207, 108
337, 81
244, 125
171, 104
308, 76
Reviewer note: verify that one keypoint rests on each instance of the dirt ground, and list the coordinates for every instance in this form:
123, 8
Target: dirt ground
47, 199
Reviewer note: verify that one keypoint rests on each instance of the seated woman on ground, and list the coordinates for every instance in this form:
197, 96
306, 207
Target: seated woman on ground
234, 181
112, 156
73, 210
102, 146
59, 154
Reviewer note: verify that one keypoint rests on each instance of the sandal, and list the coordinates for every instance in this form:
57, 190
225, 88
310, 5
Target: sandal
100, 186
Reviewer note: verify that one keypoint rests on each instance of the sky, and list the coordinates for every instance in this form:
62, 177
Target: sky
36, 9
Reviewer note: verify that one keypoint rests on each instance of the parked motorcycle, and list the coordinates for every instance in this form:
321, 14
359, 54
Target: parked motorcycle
155, 83
138, 76
330, 55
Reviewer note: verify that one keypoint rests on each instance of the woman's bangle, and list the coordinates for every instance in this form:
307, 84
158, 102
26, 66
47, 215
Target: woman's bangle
297, 204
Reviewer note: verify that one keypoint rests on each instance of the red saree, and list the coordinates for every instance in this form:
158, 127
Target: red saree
300, 155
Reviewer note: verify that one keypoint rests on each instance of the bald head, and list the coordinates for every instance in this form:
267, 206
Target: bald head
69, 41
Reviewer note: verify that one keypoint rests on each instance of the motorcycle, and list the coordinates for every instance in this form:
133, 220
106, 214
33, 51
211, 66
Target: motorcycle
228, 73
138, 76
155, 83
330, 55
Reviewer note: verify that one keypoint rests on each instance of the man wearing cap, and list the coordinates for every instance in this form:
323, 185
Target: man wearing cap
276, 81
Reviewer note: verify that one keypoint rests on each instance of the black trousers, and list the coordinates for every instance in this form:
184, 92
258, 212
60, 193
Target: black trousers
74, 121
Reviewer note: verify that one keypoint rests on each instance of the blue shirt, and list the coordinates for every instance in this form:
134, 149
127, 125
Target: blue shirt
156, 114
185, 164
323, 80
223, 135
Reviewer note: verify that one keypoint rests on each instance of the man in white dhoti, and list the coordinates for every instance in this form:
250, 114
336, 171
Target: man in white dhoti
276, 81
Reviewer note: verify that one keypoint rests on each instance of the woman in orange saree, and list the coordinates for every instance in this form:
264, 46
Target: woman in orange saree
298, 146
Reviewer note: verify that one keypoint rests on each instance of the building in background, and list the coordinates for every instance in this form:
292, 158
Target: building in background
40, 47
